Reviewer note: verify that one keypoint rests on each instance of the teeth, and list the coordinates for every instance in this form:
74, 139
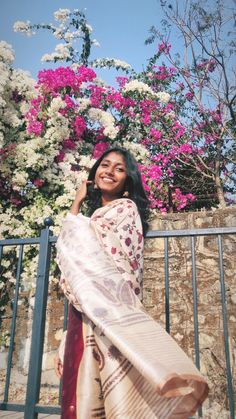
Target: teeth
106, 179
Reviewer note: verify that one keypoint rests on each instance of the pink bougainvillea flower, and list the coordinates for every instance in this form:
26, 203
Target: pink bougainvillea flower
38, 182
121, 81
35, 127
99, 149
69, 144
64, 78
60, 157
156, 134
79, 125
164, 47
189, 95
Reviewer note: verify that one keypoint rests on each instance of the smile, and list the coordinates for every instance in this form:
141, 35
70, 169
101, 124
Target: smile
107, 179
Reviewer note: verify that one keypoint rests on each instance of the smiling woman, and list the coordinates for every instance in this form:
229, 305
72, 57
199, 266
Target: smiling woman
111, 176
118, 362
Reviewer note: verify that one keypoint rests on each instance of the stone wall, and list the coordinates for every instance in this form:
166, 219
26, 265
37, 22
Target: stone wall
211, 341
181, 306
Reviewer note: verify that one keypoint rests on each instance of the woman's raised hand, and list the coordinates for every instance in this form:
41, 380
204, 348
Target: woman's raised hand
80, 196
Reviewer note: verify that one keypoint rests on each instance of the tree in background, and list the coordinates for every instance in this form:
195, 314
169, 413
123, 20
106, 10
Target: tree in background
207, 69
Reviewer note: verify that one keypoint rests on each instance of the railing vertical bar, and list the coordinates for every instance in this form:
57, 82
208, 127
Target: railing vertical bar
225, 327
167, 290
13, 324
195, 304
38, 327
1, 252
195, 309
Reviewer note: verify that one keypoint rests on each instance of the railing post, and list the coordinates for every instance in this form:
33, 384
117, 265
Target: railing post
225, 329
167, 288
38, 327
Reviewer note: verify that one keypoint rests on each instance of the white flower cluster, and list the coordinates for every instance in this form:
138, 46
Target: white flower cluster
12, 226
163, 97
138, 86
28, 274
62, 14
86, 162
23, 27
89, 27
12, 82
23, 83
6, 53
83, 104
111, 62
20, 179
28, 154
106, 120
139, 152
62, 52
37, 213
58, 125
95, 43
57, 103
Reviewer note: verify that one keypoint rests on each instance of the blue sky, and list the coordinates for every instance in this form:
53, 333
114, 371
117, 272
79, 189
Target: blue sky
121, 28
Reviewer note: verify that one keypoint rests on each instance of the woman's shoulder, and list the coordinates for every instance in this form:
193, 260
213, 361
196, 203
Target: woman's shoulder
121, 205
123, 202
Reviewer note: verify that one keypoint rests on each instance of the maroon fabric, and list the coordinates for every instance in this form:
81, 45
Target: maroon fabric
73, 353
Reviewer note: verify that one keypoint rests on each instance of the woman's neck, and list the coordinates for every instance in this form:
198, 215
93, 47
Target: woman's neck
106, 199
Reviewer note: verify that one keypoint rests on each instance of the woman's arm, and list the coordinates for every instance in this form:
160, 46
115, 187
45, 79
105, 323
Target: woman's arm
80, 197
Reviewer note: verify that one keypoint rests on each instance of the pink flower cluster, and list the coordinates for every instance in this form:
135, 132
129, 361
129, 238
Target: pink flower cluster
182, 200
164, 47
34, 116
64, 78
159, 128
80, 126
99, 148
207, 65
162, 72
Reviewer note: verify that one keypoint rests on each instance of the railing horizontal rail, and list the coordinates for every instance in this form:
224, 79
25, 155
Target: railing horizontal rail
151, 234
17, 242
154, 234
13, 407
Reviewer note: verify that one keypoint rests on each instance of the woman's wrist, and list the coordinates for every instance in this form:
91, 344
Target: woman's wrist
79, 197
75, 207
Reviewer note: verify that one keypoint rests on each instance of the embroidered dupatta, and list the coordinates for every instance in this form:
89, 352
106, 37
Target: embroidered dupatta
130, 367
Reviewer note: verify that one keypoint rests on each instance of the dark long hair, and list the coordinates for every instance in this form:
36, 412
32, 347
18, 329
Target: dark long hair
133, 185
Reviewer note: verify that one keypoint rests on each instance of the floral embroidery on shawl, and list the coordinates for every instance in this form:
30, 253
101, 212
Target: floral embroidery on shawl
119, 229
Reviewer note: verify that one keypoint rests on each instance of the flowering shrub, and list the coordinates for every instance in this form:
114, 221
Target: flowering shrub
53, 132
77, 117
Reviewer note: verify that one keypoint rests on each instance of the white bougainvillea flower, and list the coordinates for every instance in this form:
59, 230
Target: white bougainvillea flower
163, 97
62, 14
106, 120
111, 62
139, 86
23, 27
7, 54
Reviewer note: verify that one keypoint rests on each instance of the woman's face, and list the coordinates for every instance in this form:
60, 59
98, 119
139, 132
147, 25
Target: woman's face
111, 175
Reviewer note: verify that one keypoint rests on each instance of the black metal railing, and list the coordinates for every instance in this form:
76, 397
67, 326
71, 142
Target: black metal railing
31, 407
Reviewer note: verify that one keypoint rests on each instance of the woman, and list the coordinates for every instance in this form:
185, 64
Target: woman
118, 362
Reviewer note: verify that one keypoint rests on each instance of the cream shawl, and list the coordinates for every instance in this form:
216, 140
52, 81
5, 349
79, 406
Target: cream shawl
131, 368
